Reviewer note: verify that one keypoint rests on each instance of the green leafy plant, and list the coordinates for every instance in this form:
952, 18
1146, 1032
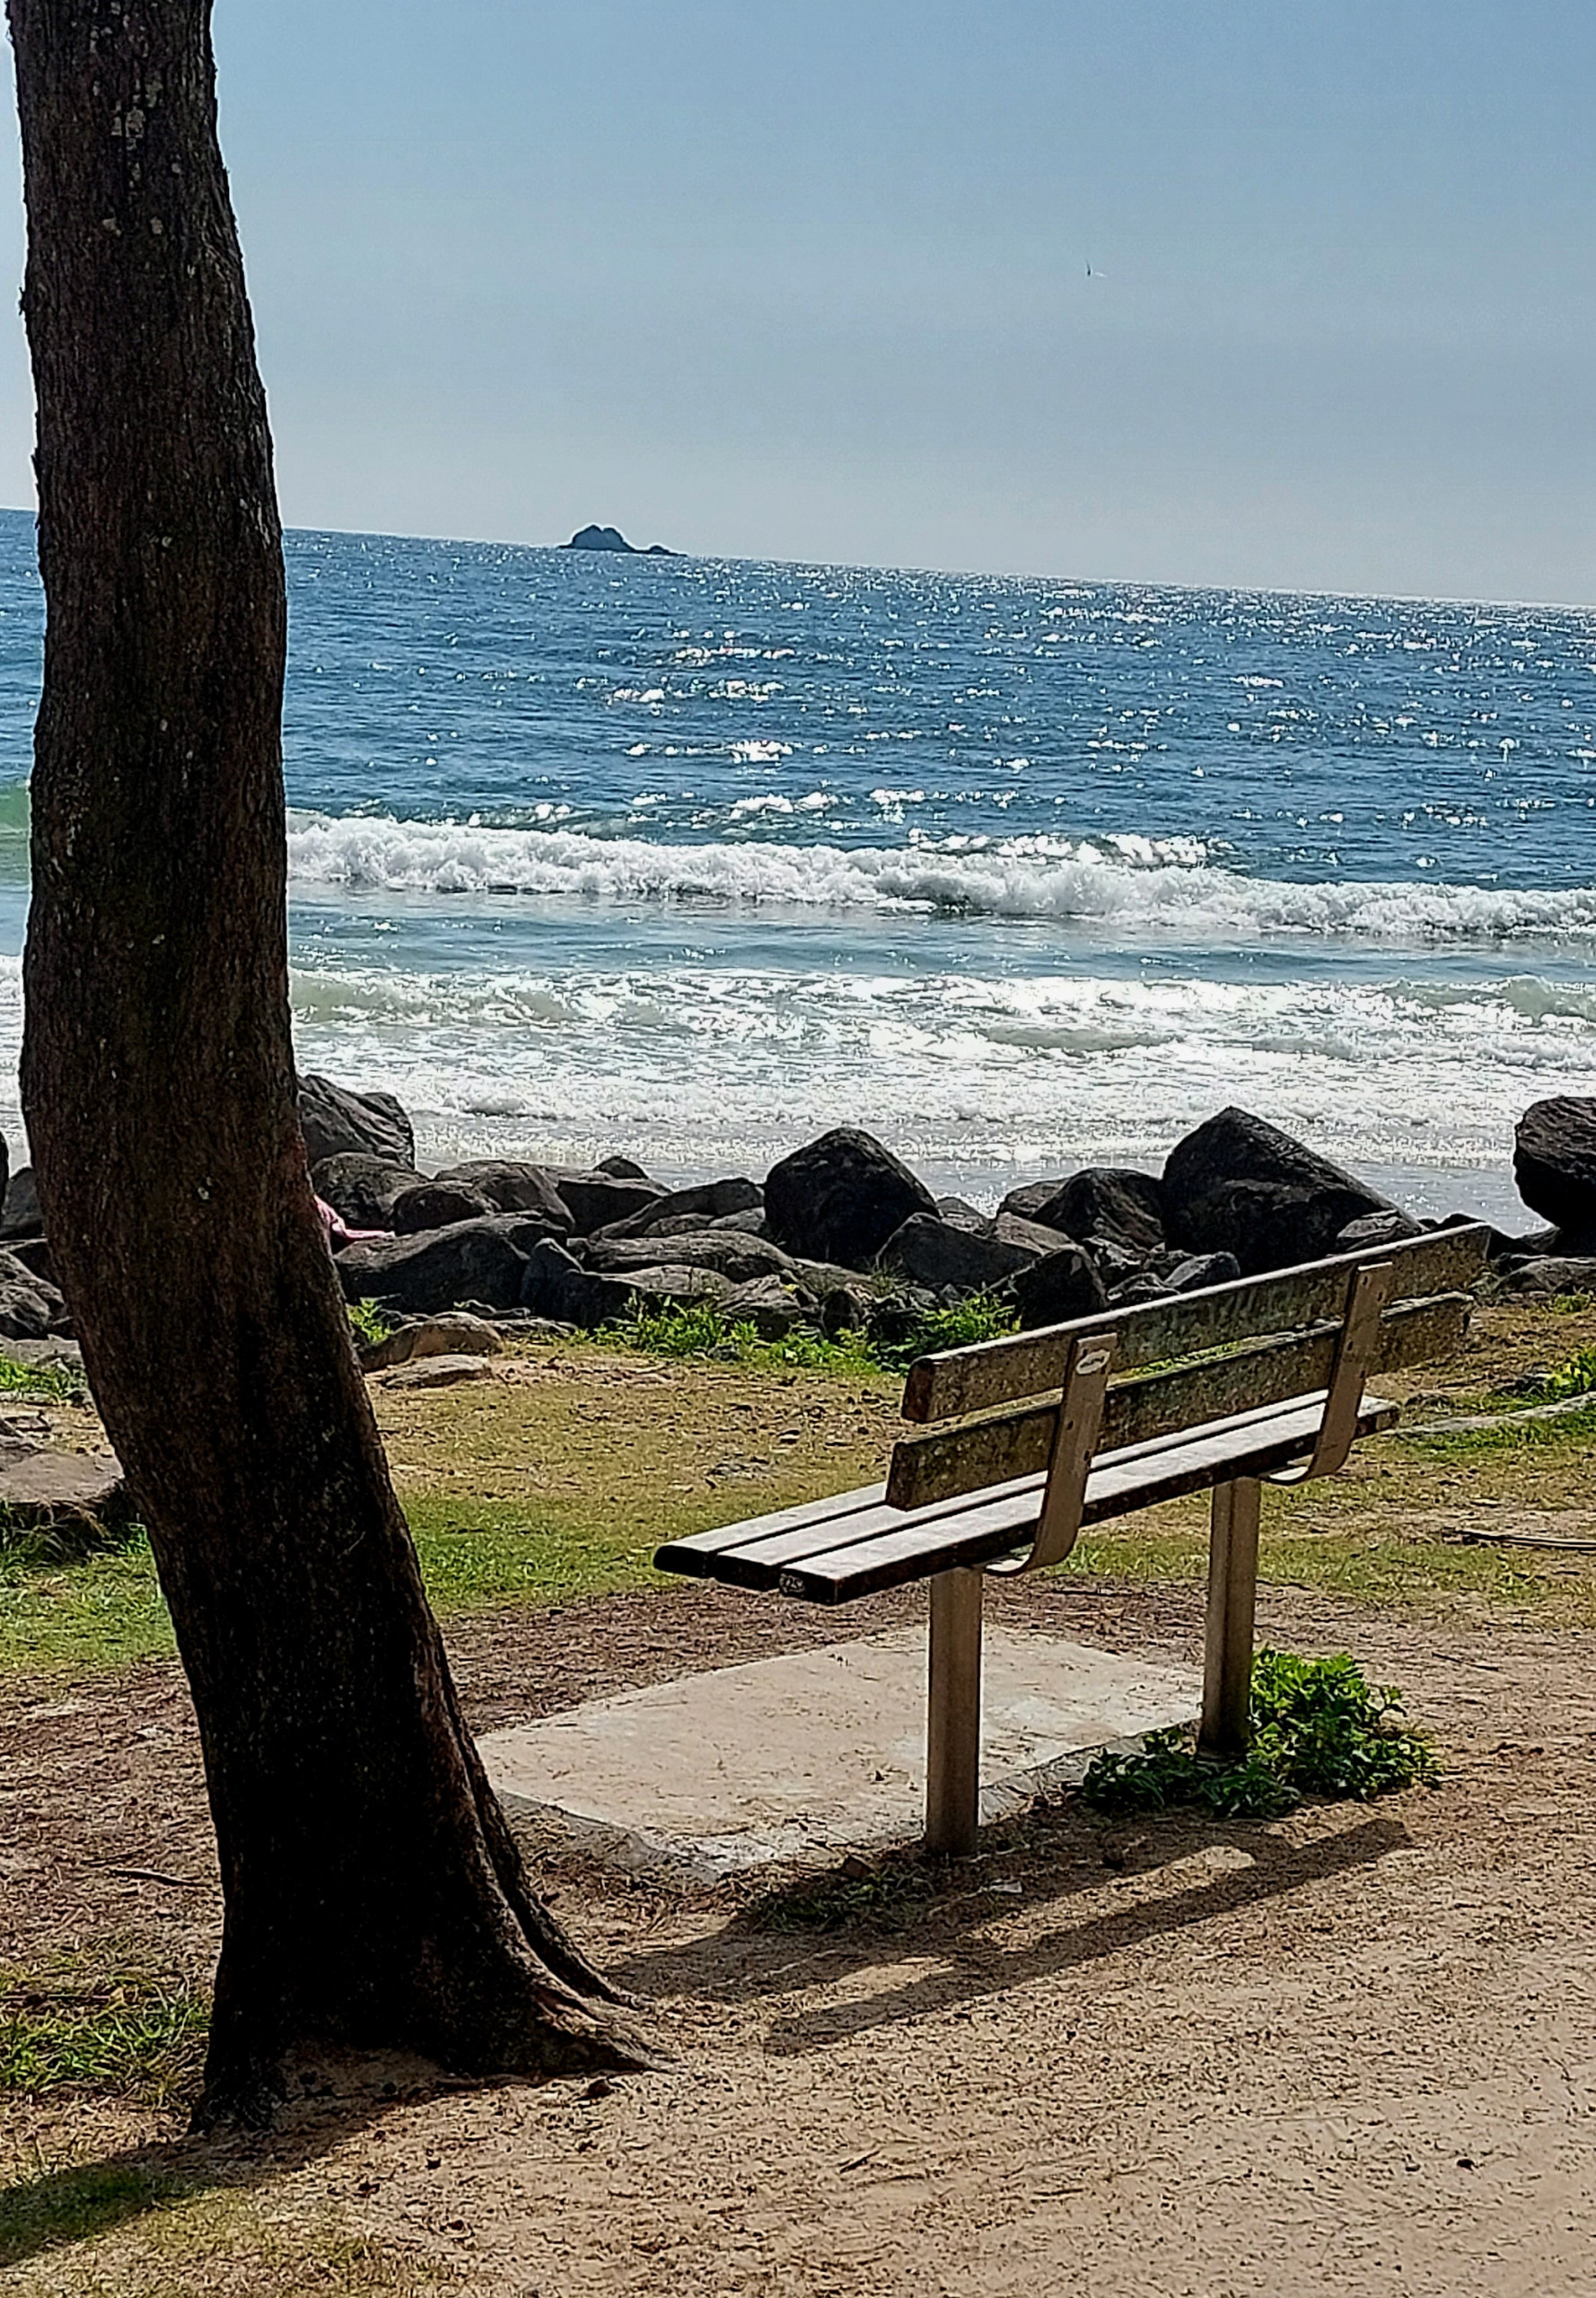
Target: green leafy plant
699, 1328
1318, 1728
1576, 1377
128, 2032
369, 1323
982, 1316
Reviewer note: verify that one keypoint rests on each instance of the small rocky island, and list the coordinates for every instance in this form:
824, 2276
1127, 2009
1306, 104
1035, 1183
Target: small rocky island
612, 539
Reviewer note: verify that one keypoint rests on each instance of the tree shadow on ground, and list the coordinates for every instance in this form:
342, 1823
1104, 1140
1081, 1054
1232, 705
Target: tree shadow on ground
84, 2201
904, 1909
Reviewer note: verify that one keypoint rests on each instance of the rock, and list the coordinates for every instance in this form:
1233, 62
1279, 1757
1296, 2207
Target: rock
362, 1189
1131, 1291
1550, 1274
1029, 1237
742, 1225
929, 1251
1110, 1202
960, 1213
1392, 1228
1026, 1201
458, 1334
1239, 1185
621, 1169
20, 1216
37, 1255
846, 1308
511, 1186
1554, 1162
437, 1373
611, 539
839, 1198
710, 1202
471, 1260
433, 1205
333, 1119
597, 1200
1203, 1269
769, 1307
726, 1252
47, 1491
555, 1284
29, 1308
1058, 1288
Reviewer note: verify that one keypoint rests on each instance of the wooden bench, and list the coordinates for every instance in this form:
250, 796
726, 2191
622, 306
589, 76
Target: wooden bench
1020, 1443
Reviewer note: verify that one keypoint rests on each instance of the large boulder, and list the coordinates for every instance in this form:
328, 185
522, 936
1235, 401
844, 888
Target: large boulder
22, 1216
30, 1307
471, 1260
710, 1201
433, 1205
333, 1119
1551, 1273
361, 1188
728, 1253
1058, 1288
596, 1201
554, 1284
928, 1251
1028, 1199
1239, 1185
839, 1198
512, 1185
1110, 1204
1554, 1162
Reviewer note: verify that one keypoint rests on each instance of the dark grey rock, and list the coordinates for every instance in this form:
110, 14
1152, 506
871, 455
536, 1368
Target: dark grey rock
929, 1251
22, 1216
597, 1200
36, 1254
29, 1308
742, 1225
961, 1214
622, 1168
1392, 1228
839, 1198
512, 1185
471, 1260
1027, 1200
433, 1205
1550, 1274
711, 1201
361, 1188
333, 1120
1239, 1185
555, 1284
1554, 1162
1031, 1238
1112, 1204
770, 1307
729, 1254
1202, 1270
1062, 1286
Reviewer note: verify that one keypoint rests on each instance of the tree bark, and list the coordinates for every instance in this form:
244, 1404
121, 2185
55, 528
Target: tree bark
374, 1894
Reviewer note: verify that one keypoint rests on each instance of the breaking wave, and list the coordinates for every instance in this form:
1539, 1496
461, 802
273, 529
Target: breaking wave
1136, 883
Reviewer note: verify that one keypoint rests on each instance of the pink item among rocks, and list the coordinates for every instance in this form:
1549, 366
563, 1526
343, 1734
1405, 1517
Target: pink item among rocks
340, 1233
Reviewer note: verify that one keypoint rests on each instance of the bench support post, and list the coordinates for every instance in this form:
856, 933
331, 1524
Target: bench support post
954, 1717
1226, 1726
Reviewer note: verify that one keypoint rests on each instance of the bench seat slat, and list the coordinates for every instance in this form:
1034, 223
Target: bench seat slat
962, 1380
938, 1538
696, 1555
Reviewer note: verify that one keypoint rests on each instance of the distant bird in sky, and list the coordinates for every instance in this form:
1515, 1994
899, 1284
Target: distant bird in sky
1095, 274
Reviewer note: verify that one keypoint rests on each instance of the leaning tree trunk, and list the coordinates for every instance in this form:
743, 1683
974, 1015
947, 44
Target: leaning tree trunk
373, 1893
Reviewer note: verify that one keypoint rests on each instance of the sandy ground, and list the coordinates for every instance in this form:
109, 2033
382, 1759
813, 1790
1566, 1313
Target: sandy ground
1353, 2052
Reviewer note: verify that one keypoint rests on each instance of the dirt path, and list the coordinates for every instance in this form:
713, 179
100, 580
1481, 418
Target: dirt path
1351, 2053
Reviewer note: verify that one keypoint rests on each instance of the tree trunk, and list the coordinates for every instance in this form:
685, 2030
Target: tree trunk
374, 1897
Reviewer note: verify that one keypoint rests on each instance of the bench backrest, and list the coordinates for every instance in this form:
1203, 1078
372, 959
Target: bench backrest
1279, 1335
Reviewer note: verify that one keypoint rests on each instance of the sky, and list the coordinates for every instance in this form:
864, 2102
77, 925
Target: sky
809, 279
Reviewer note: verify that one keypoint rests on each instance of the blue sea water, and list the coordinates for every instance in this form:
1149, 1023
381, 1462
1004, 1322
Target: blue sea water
690, 858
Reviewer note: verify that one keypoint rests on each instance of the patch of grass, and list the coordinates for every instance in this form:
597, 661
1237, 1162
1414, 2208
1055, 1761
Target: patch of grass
1576, 1377
699, 1329
96, 1612
474, 1555
113, 2030
1509, 1436
1318, 1728
55, 1382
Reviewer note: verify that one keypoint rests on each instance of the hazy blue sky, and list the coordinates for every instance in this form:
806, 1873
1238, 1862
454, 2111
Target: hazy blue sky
807, 279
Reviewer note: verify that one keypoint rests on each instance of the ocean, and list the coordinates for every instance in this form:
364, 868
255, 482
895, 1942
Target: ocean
690, 859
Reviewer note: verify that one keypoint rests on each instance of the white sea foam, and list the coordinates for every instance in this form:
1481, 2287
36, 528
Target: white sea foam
1134, 882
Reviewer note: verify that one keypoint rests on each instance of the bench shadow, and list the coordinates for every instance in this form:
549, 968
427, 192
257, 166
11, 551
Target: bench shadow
971, 1966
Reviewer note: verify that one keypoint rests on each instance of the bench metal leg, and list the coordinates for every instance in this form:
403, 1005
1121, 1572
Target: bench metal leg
1233, 1599
953, 1735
